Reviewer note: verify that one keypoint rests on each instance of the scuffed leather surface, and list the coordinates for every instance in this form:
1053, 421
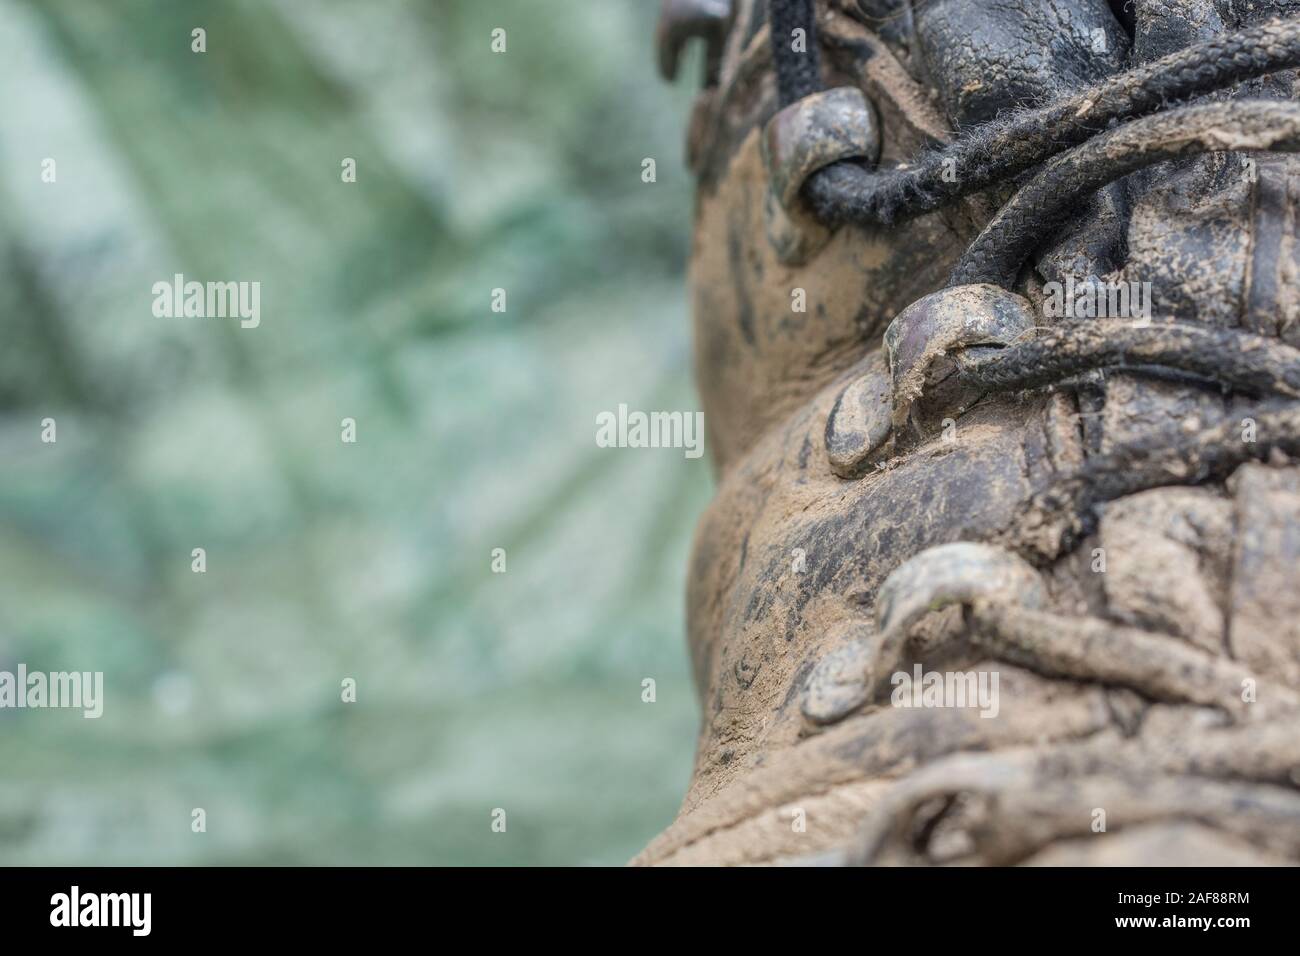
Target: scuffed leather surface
986, 56
788, 552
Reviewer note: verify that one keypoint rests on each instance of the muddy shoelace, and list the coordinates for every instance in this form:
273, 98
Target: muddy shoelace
1059, 155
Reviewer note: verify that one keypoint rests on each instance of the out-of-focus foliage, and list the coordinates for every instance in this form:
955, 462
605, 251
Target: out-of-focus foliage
326, 560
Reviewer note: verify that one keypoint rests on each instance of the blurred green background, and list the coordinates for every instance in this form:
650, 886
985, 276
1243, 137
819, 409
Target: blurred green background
325, 560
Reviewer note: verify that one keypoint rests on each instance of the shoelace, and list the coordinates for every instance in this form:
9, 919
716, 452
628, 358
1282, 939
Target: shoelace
1078, 145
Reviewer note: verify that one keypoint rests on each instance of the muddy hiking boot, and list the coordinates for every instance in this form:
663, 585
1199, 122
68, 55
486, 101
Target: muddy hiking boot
997, 335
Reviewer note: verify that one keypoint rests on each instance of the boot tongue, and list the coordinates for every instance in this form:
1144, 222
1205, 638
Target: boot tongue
1161, 27
988, 56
